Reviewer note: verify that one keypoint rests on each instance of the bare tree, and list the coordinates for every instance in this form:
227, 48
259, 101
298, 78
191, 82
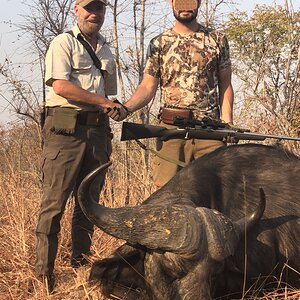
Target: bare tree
135, 51
210, 11
44, 20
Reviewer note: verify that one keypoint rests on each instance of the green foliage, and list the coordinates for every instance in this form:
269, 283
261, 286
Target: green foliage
268, 34
265, 50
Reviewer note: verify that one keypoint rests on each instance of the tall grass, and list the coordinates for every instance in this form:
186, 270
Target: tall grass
128, 182
20, 193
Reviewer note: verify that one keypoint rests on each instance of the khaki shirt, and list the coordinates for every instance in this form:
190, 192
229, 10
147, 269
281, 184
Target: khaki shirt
68, 59
188, 67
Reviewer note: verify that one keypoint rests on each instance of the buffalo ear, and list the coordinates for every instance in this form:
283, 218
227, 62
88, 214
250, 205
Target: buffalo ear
122, 274
221, 234
104, 268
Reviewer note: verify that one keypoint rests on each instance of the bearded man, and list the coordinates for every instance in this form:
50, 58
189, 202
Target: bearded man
76, 133
191, 63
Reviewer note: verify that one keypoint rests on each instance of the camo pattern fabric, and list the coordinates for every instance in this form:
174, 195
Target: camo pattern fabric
188, 66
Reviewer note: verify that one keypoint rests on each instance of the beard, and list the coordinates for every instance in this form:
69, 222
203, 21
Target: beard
185, 20
89, 28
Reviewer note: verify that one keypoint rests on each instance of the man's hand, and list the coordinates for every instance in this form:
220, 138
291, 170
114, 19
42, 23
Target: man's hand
117, 112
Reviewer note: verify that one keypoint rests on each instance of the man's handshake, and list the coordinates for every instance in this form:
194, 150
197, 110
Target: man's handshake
118, 112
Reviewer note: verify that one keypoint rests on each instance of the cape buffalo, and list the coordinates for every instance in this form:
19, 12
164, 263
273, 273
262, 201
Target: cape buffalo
205, 234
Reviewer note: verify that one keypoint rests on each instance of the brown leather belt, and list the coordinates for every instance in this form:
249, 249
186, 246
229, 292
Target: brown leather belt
170, 115
85, 118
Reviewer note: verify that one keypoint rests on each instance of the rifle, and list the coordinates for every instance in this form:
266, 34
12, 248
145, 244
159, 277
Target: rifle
206, 129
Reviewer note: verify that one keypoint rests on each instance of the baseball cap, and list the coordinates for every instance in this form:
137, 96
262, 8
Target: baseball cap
84, 3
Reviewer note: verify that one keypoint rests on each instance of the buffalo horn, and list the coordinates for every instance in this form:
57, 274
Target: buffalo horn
153, 226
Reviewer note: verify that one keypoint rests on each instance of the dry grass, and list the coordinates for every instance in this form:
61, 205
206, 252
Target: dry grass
19, 205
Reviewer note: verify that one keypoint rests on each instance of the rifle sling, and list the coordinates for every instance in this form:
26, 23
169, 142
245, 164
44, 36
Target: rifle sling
162, 156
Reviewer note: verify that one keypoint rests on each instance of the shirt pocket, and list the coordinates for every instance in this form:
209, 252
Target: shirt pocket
82, 63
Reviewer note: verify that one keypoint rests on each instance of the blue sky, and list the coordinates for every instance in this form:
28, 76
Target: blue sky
12, 9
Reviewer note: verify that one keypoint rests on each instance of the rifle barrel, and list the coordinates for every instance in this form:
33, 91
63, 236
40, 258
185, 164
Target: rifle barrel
271, 136
220, 134
208, 134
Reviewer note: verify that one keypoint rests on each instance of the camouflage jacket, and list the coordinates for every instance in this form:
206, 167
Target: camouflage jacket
188, 66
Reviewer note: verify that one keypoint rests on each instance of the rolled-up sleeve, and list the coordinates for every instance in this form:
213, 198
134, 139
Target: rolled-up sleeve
57, 60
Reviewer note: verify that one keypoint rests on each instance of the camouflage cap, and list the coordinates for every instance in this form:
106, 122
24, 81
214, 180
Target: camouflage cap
84, 3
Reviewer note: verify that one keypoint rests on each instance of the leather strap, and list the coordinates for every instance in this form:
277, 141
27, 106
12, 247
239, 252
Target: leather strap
85, 118
162, 156
171, 115
90, 50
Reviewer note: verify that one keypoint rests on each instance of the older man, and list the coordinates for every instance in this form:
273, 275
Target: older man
77, 136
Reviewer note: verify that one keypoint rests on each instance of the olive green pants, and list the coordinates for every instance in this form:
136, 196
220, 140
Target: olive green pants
66, 160
182, 150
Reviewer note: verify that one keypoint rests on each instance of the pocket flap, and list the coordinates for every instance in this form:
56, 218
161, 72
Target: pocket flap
51, 153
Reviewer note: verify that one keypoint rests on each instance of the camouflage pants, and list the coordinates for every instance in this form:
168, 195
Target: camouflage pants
177, 149
66, 160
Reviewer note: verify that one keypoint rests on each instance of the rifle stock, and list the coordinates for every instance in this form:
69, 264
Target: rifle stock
133, 131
